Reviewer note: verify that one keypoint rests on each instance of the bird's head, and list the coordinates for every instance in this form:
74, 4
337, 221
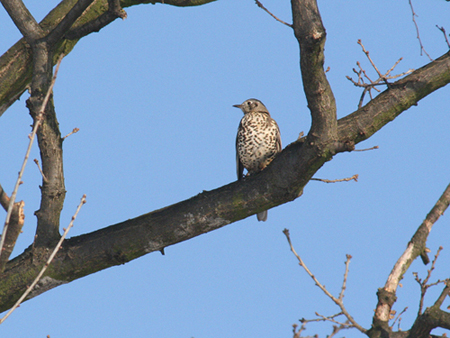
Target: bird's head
251, 105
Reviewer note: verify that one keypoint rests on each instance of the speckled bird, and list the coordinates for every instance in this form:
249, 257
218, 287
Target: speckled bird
258, 141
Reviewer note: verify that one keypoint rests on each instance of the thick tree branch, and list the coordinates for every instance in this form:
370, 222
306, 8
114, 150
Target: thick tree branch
64, 25
433, 317
114, 11
23, 19
52, 190
42, 110
311, 36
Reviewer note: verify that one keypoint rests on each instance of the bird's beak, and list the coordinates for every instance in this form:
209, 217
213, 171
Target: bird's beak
237, 106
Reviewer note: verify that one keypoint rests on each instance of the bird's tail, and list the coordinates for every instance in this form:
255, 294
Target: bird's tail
262, 216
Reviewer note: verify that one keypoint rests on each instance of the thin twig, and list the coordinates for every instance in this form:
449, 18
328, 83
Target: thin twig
370, 59
260, 5
399, 318
417, 31
49, 260
335, 300
354, 177
40, 170
321, 318
374, 147
75, 130
336, 329
297, 334
344, 283
382, 78
114, 11
331, 319
424, 286
442, 29
37, 123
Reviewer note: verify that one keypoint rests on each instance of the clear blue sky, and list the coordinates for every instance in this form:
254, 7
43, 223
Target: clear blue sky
153, 95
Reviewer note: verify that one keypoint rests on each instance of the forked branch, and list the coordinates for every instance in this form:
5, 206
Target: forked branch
37, 123
47, 263
338, 301
382, 78
417, 245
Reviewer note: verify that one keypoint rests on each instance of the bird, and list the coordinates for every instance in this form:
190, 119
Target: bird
258, 141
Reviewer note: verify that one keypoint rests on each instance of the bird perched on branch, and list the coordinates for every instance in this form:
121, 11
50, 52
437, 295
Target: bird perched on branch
258, 141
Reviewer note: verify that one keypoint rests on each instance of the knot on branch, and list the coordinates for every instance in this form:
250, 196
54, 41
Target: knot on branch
340, 147
386, 297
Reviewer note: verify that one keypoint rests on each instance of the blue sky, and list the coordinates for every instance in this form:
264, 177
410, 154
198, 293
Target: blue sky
153, 95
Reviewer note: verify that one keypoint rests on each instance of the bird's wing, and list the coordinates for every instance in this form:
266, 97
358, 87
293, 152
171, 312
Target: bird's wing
278, 140
239, 166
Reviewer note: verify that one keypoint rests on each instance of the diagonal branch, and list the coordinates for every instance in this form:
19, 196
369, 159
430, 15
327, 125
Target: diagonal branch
114, 11
47, 263
433, 317
401, 95
386, 295
64, 25
14, 227
260, 5
23, 19
338, 301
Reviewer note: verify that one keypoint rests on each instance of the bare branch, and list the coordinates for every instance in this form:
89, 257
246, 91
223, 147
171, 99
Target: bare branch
49, 260
311, 36
354, 177
297, 334
23, 20
260, 5
16, 223
422, 49
424, 286
64, 25
40, 170
442, 29
27, 154
382, 78
4, 198
386, 295
444, 294
75, 130
114, 11
399, 318
337, 301
374, 147
344, 283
